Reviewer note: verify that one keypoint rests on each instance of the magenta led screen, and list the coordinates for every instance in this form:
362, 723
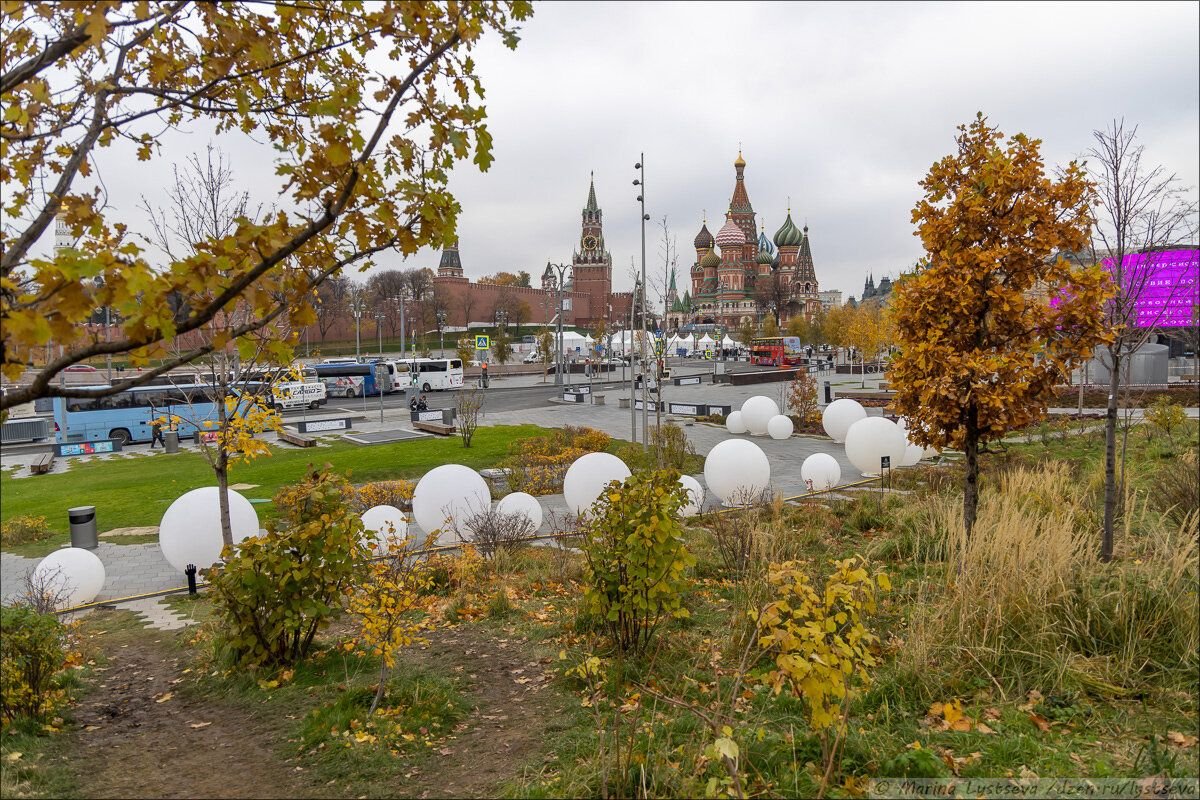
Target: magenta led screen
1168, 281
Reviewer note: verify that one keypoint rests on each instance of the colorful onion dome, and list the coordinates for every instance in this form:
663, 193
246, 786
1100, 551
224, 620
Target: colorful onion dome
704, 239
764, 244
765, 257
740, 162
711, 259
730, 235
788, 234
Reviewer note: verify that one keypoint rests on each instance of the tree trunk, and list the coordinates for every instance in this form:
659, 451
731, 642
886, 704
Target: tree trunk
1110, 457
971, 485
222, 471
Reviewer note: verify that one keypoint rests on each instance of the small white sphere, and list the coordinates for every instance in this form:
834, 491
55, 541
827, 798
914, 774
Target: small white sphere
780, 426
588, 476
757, 412
695, 495
190, 531
870, 439
737, 470
820, 471
734, 422
839, 416
72, 576
912, 455
524, 504
386, 526
449, 495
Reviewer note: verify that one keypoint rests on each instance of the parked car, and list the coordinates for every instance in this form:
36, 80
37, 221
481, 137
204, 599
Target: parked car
80, 368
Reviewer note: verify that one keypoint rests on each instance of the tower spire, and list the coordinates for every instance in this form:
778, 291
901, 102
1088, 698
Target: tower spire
592, 205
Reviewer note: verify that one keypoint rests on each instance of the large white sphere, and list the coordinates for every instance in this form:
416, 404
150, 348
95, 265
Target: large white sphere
912, 454
737, 470
821, 471
780, 426
872, 438
588, 476
449, 495
695, 496
757, 412
926, 452
524, 504
839, 416
385, 525
734, 422
72, 576
190, 531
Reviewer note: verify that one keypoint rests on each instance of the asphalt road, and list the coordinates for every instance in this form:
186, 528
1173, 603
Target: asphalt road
499, 398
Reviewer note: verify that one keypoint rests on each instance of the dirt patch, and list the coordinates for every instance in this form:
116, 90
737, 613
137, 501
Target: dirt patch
138, 737
514, 706
140, 530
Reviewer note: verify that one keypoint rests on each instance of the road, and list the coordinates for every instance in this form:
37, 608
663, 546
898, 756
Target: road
499, 398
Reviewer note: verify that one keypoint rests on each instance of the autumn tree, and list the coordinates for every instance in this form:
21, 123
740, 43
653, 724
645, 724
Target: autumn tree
1141, 210
521, 278
545, 344
992, 320
770, 328
332, 296
385, 289
363, 157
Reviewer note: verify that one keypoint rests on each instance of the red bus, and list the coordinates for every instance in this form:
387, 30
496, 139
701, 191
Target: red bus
776, 351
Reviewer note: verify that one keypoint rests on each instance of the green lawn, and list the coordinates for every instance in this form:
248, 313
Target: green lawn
138, 490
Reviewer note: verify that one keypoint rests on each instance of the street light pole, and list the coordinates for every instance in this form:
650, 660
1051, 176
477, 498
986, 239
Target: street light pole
379, 317
561, 269
356, 309
641, 181
441, 321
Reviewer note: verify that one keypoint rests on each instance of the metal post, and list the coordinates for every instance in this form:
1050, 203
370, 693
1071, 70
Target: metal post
107, 334
379, 330
190, 571
402, 330
632, 373
640, 166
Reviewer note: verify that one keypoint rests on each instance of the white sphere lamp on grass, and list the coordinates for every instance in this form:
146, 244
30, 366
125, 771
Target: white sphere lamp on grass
926, 452
71, 577
872, 438
780, 427
757, 413
386, 525
588, 476
190, 531
525, 505
737, 471
695, 496
734, 422
839, 416
447, 496
820, 472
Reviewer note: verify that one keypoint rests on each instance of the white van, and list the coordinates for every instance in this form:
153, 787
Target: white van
437, 374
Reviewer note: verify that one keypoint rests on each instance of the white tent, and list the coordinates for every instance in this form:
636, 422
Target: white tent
728, 343
705, 342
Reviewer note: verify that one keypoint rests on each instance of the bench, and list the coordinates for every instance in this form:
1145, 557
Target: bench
439, 428
41, 464
298, 439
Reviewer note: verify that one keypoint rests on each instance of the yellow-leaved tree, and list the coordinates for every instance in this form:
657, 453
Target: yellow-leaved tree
366, 107
993, 317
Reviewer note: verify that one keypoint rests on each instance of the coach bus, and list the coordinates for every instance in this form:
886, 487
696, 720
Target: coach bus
128, 416
436, 374
353, 380
776, 351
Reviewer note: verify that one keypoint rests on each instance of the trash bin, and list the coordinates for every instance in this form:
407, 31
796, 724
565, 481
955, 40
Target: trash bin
171, 441
83, 526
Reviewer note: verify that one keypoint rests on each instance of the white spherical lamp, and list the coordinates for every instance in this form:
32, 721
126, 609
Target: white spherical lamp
734, 422
757, 413
190, 531
912, 455
695, 496
525, 505
780, 426
384, 525
588, 476
839, 416
737, 471
820, 471
870, 439
71, 576
447, 496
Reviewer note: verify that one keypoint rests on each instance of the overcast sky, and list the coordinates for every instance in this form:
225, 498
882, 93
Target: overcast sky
841, 107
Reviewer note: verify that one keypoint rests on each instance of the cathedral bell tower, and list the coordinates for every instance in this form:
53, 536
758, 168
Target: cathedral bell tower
591, 265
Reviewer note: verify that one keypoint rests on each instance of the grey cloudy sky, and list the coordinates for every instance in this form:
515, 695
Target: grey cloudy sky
841, 106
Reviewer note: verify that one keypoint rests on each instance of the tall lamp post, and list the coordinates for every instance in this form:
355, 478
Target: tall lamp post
357, 307
441, 323
641, 181
561, 270
379, 318
501, 318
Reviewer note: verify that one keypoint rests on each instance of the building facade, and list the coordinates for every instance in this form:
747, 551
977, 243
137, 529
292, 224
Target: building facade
587, 296
740, 274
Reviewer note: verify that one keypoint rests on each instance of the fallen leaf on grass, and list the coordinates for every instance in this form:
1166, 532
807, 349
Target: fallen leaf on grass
13, 756
1180, 740
991, 713
91, 728
1032, 699
200, 725
163, 698
1041, 722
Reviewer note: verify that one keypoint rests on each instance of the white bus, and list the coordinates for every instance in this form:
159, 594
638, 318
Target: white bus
436, 374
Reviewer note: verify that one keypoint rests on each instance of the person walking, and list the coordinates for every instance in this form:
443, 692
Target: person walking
156, 434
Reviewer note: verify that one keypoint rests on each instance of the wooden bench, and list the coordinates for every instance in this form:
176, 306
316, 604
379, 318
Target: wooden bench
42, 464
298, 439
441, 429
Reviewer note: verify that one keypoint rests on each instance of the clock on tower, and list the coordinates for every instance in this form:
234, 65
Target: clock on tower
589, 242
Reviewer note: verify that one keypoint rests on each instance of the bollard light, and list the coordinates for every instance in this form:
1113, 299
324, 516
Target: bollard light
191, 578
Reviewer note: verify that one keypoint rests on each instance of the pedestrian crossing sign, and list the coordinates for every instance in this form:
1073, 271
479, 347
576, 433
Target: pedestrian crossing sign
482, 342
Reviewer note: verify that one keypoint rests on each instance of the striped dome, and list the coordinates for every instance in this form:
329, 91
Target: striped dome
704, 239
788, 234
764, 244
730, 235
765, 257
711, 259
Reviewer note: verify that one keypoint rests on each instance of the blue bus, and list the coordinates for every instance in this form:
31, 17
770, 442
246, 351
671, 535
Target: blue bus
354, 380
127, 416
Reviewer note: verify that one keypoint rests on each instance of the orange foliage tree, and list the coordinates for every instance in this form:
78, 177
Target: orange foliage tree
993, 318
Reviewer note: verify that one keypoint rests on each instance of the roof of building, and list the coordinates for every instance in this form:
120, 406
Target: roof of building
739, 161
704, 239
450, 259
804, 262
730, 234
710, 259
788, 234
591, 201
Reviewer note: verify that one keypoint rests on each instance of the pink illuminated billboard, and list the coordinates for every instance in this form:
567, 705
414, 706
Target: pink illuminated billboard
1166, 282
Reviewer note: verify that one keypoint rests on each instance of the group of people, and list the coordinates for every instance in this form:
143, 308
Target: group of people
418, 404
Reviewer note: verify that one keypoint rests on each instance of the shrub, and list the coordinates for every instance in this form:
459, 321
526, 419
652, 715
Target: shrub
538, 466
636, 557
276, 591
1177, 492
23, 530
33, 655
1165, 416
802, 398
397, 494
